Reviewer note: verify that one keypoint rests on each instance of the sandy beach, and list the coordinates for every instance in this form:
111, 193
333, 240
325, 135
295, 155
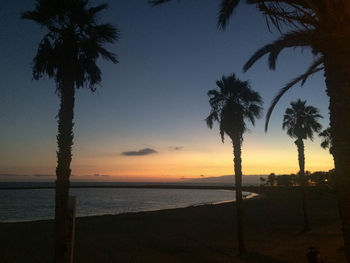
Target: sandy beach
194, 234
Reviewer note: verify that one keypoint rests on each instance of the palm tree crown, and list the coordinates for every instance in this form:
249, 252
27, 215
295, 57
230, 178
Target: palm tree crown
231, 104
73, 42
301, 121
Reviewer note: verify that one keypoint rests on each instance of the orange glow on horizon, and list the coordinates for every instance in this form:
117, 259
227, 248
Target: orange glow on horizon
213, 159
172, 166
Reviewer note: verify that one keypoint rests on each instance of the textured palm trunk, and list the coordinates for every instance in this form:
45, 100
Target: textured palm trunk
236, 141
301, 158
63, 171
337, 73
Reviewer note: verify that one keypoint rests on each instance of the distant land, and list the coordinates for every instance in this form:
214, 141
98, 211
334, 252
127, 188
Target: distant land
226, 180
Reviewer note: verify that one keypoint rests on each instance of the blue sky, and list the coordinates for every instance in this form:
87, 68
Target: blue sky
170, 56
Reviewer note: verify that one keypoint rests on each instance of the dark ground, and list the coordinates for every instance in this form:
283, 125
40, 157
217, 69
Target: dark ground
203, 234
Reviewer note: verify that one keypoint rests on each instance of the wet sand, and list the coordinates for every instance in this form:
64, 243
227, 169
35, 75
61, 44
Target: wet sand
206, 234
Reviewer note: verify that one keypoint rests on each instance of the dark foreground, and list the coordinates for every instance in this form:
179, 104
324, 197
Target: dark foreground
204, 234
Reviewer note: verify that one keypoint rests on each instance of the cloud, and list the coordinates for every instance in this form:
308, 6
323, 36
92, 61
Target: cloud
176, 148
141, 152
101, 175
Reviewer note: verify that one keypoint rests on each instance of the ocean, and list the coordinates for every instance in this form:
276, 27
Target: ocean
38, 204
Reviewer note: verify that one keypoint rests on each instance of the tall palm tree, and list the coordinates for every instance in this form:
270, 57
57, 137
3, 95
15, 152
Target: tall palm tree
323, 27
300, 122
68, 53
326, 140
231, 105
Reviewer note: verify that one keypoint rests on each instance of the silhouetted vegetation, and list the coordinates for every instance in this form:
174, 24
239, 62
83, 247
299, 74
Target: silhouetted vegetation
300, 122
231, 105
319, 178
271, 179
321, 26
327, 140
68, 53
74, 40
322, 178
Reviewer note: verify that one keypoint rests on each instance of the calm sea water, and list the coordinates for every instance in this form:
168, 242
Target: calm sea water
27, 205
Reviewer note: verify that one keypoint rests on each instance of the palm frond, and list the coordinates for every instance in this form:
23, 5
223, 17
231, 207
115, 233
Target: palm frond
326, 139
213, 116
291, 39
105, 33
325, 144
45, 60
94, 10
314, 68
157, 2
108, 55
227, 7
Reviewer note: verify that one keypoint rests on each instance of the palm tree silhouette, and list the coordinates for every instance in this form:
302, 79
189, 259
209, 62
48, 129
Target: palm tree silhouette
271, 179
300, 122
326, 140
234, 102
323, 27
68, 53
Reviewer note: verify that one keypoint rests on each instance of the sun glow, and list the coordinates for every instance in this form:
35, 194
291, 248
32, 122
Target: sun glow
184, 164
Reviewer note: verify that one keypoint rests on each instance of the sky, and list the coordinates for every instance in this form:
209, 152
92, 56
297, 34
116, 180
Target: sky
146, 120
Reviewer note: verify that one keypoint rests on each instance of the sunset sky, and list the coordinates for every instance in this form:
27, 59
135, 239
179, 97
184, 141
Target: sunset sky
146, 120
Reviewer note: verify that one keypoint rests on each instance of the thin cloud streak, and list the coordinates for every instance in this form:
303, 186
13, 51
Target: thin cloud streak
27, 175
101, 175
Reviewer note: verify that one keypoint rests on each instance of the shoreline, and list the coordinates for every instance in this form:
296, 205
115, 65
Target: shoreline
245, 197
205, 233
136, 185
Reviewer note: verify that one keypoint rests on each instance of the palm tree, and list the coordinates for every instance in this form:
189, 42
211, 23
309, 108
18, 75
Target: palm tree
68, 53
271, 179
300, 122
323, 27
262, 181
326, 140
234, 102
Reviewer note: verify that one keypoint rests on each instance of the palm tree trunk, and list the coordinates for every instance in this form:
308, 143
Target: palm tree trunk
337, 73
64, 157
301, 158
236, 142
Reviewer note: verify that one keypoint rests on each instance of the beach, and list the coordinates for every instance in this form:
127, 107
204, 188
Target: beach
273, 224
